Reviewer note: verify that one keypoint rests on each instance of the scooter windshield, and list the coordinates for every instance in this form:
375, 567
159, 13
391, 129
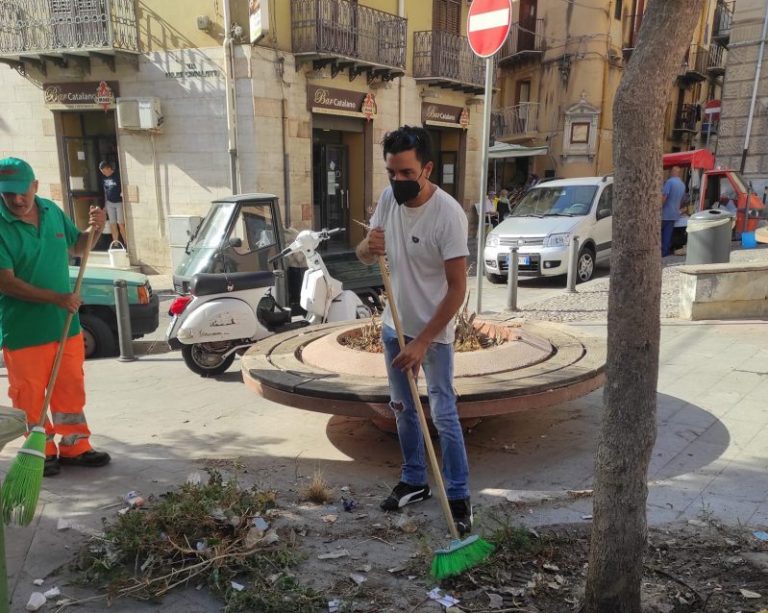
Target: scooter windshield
212, 232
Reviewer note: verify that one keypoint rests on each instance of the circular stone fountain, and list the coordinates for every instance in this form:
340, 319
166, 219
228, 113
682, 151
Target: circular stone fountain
537, 366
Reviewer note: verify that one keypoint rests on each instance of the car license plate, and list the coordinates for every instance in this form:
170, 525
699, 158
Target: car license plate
522, 260
170, 327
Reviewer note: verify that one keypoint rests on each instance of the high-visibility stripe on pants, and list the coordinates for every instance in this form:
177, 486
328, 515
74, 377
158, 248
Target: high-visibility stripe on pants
28, 372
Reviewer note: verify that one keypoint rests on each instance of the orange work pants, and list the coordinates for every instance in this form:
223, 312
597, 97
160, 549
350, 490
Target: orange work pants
28, 372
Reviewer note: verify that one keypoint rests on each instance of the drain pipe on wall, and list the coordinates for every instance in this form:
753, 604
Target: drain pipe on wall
231, 95
758, 70
401, 13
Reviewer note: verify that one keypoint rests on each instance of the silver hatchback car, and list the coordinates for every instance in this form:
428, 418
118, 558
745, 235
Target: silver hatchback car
543, 223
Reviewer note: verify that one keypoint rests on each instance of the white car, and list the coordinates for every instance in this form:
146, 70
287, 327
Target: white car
543, 223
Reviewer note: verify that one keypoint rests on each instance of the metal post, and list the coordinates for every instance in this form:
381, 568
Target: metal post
483, 181
124, 333
755, 88
573, 262
512, 271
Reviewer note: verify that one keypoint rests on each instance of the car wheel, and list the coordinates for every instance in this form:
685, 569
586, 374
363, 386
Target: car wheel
99, 339
207, 359
585, 269
497, 279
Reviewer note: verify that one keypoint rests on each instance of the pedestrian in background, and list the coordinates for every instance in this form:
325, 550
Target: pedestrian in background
113, 202
36, 239
671, 201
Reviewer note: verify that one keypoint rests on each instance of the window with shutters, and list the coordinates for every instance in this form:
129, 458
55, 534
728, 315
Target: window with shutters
446, 16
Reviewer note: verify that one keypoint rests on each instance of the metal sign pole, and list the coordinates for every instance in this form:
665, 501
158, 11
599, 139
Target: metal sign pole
483, 182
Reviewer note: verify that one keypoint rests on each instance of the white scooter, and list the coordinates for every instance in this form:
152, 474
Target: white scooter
226, 313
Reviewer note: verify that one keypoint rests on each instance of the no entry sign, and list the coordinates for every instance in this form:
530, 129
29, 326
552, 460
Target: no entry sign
488, 25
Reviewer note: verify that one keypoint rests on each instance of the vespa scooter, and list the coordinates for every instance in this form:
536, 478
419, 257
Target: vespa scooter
225, 313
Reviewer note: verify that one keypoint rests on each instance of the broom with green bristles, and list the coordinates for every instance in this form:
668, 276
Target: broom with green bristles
22, 484
461, 554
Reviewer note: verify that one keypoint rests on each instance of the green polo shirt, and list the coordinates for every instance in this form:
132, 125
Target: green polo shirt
39, 256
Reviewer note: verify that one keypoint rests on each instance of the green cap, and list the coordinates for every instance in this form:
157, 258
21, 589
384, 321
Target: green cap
15, 176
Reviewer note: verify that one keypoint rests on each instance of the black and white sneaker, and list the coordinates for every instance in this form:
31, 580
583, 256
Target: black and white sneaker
403, 494
461, 510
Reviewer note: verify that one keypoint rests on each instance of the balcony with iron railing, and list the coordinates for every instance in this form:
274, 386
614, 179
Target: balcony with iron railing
445, 59
630, 29
686, 121
694, 66
716, 60
721, 25
516, 123
525, 40
67, 31
347, 36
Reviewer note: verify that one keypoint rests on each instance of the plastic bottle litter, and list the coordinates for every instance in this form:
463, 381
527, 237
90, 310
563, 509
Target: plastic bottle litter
36, 601
54, 592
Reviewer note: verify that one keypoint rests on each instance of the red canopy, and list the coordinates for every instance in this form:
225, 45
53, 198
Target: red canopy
698, 158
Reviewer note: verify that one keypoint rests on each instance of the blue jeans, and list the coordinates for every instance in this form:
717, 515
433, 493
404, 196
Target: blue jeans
667, 229
438, 368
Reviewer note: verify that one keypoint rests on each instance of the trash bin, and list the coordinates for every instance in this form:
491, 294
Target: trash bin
709, 237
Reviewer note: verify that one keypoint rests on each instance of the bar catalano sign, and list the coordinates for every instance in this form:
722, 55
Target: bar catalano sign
444, 115
91, 94
341, 102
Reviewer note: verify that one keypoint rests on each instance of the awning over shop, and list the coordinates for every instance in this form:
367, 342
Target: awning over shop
698, 158
501, 151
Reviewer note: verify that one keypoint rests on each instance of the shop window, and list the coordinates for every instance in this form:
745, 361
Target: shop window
618, 8
446, 16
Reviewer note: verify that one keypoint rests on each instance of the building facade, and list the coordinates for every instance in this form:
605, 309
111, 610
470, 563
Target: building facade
746, 43
147, 86
559, 72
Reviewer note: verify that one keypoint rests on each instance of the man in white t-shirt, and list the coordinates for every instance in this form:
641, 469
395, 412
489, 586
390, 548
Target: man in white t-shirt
423, 232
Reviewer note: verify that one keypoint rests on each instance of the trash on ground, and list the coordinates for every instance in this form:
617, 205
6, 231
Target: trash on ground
239, 587
406, 523
365, 568
495, 601
260, 524
346, 489
330, 518
349, 504
38, 582
36, 601
133, 499
698, 523
444, 599
760, 534
333, 555
334, 605
586, 517
553, 567
580, 493
54, 592
358, 578
750, 594
396, 569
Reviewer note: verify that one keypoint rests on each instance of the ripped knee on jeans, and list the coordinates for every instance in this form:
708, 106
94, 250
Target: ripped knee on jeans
396, 407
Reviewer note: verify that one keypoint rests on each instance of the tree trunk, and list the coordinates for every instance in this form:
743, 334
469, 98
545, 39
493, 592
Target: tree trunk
628, 433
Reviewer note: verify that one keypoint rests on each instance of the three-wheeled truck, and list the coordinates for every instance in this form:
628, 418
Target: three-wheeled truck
255, 219
707, 181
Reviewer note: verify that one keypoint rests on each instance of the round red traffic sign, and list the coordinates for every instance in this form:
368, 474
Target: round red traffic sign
488, 25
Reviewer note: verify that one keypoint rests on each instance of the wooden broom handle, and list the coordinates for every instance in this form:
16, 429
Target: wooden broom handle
65, 332
436, 472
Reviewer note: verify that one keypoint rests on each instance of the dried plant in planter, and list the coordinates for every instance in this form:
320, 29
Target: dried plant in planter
468, 336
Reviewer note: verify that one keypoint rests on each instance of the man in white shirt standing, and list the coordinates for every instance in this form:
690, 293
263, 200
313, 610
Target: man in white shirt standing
423, 232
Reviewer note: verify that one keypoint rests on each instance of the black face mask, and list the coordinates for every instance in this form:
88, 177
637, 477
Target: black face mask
406, 190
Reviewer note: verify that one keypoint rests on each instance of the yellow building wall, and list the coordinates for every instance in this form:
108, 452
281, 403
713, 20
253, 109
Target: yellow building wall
173, 25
